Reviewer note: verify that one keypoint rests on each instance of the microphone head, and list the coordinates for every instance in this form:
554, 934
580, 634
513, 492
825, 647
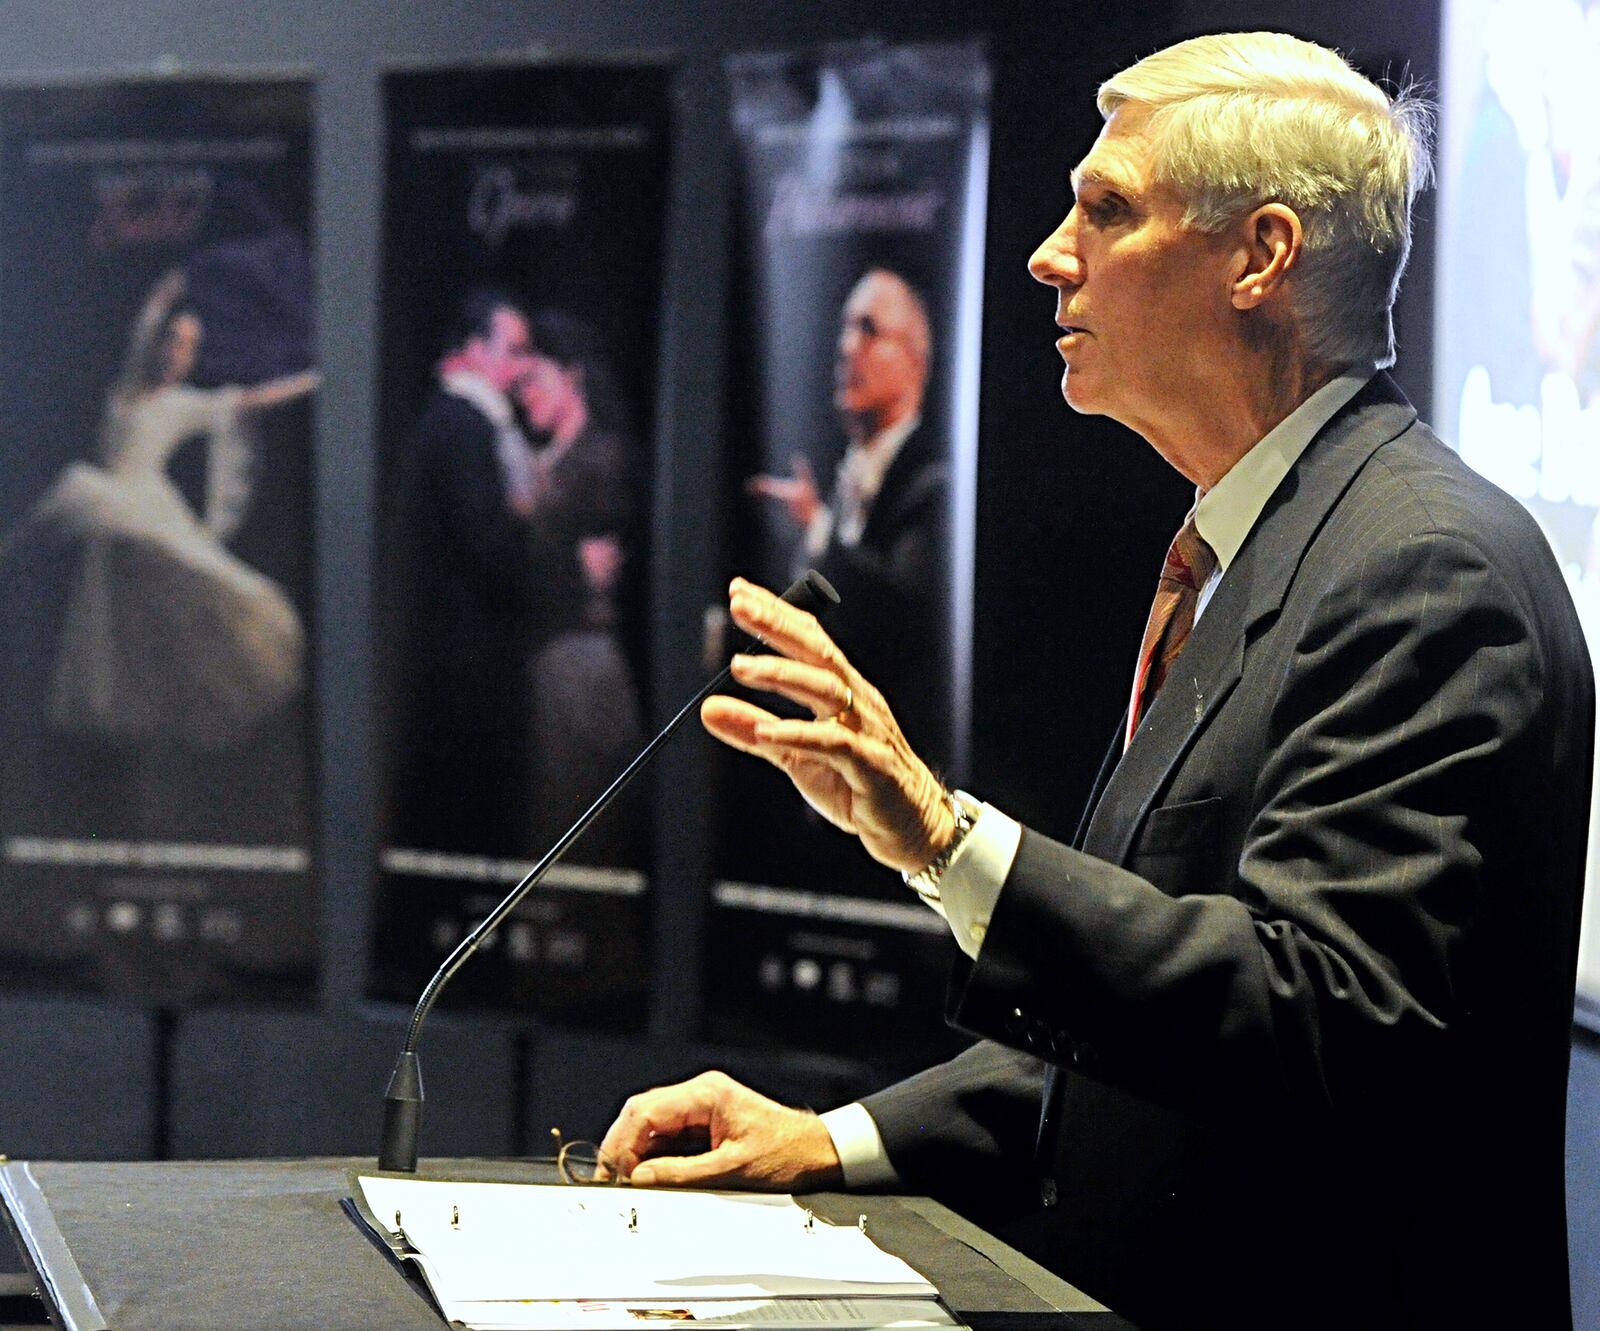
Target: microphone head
813, 593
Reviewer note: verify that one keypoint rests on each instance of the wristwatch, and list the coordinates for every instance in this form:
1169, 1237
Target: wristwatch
925, 881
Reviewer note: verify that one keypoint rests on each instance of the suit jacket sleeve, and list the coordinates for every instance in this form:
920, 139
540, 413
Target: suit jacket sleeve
1335, 953
963, 1131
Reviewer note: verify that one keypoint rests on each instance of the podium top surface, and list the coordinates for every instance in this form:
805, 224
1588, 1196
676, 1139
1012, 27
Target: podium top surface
238, 1245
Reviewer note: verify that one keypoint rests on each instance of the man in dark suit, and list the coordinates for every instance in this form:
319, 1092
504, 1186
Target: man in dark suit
465, 590
1281, 1039
883, 537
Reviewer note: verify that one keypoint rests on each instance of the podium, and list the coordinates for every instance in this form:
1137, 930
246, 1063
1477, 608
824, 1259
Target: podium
241, 1245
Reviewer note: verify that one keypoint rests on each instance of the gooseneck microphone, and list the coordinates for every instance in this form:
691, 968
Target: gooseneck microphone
402, 1102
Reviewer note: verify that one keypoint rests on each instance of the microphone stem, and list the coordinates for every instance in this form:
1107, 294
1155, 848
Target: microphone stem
402, 1102
468, 945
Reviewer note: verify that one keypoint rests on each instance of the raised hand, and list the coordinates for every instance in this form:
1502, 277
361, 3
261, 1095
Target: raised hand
797, 491
850, 761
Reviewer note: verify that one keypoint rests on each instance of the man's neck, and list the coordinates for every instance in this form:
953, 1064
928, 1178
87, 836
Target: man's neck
1220, 424
862, 428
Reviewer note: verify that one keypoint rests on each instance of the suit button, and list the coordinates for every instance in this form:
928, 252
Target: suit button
1086, 1058
1016, 1022
1047, 1191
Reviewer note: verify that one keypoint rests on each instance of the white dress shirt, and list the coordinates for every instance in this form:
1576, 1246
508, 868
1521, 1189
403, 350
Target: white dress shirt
510, 444
970, 886
856, 483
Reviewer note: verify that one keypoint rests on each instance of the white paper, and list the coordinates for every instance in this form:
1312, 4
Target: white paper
725, 1314
505, 1242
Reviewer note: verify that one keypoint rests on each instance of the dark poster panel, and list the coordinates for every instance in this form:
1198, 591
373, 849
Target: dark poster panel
522, 263
863, 179
157, 365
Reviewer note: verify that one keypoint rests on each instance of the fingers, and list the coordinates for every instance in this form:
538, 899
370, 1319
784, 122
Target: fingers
663, 1112
811, 686
751, 730
788, 631
755, 1143
733, 721
727, 1164
856, 757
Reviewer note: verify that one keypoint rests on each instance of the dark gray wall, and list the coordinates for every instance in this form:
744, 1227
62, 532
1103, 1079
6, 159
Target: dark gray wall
83, 1079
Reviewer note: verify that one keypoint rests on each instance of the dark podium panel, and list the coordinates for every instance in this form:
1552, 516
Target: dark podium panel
242, 1245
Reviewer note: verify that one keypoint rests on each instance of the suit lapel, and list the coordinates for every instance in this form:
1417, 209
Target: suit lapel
1252, 589
1200, 679
884, 511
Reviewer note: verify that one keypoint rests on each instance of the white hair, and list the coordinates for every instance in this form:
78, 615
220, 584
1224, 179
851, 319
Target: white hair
1241, 119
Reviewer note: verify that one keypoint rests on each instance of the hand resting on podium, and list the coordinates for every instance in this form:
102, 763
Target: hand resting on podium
711, 1131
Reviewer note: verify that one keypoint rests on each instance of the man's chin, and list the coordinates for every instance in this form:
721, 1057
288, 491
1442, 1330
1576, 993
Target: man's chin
1079, 395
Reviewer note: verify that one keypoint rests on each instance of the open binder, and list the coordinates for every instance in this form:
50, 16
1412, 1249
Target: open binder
532, 1255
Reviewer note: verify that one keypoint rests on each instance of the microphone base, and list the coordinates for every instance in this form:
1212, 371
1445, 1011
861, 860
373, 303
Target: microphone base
402, 1116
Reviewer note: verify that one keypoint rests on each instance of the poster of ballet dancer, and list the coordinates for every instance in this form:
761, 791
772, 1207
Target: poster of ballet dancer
158, 373
515, 454
853, 450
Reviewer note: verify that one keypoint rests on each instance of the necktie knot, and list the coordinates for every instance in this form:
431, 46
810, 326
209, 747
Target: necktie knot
1190, 561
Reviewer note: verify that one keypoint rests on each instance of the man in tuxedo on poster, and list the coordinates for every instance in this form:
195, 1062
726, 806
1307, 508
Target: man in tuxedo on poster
883, 536
1281, 1039
465, 584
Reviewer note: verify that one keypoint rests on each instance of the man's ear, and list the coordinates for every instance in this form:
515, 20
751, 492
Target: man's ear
1270, 239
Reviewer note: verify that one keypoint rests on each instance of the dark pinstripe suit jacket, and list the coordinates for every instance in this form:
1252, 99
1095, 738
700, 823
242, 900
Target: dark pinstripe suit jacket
1296, 1006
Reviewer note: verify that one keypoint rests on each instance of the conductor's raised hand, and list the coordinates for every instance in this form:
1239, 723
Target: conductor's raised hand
797, 492
711, 1131
850, 760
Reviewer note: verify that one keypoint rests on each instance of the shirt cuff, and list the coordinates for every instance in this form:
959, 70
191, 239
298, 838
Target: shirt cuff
971, 884
860, 1146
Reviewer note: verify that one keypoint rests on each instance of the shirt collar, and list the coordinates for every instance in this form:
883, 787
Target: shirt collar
1226, 512
474, 388
869, 462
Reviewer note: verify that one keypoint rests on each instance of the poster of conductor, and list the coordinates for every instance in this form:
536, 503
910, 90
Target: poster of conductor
158, 375
523, 213
863, 174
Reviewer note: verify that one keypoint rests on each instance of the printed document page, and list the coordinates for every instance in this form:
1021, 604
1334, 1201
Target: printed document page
486, 1246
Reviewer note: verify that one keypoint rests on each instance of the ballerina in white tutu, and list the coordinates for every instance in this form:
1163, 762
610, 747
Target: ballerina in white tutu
167, 635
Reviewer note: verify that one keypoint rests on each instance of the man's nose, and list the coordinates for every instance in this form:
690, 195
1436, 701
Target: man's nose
1056, 262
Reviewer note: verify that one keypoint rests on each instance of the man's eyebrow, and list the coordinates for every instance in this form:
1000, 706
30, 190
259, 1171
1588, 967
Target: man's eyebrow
1096, 176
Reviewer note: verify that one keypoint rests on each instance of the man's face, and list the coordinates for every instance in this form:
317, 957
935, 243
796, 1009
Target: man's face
878, 362
1142, 301
505, 355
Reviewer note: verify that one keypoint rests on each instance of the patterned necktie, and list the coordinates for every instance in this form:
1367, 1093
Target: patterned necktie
1189, 563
